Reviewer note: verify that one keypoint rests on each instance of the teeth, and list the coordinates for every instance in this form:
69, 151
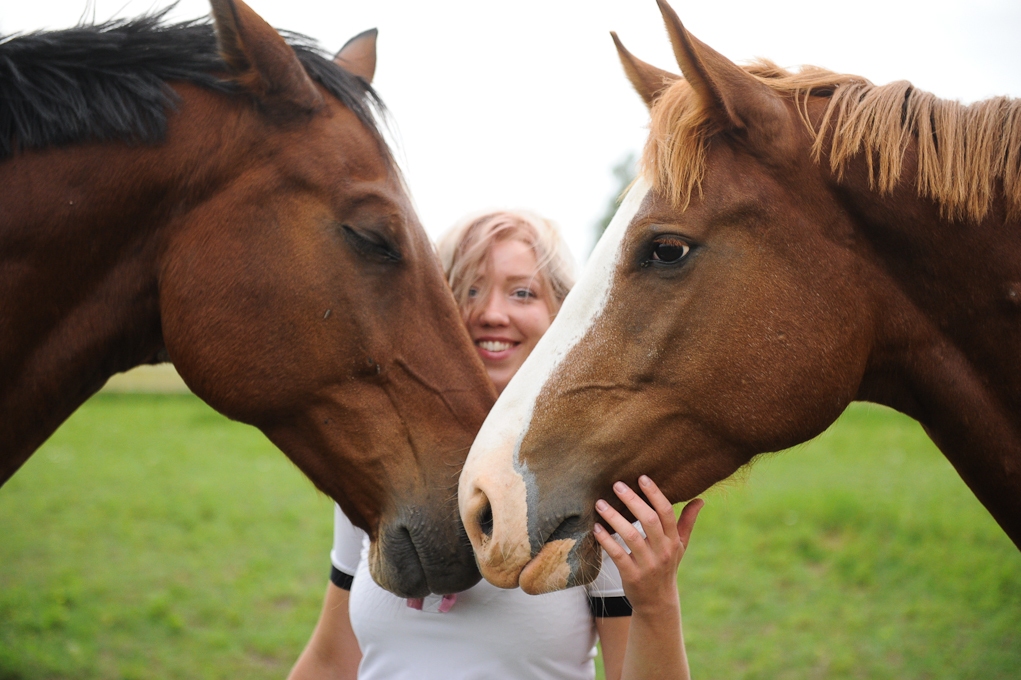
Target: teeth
494, 346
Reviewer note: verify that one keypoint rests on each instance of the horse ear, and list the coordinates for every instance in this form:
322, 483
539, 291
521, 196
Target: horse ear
647, 80
259, 59
737, 100
358, 55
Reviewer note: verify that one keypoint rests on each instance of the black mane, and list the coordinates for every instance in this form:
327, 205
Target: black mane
109, 81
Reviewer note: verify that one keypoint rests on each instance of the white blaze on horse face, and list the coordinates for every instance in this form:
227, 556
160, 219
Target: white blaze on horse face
493, 479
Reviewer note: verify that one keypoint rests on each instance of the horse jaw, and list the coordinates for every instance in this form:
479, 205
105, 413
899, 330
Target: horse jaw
495, 486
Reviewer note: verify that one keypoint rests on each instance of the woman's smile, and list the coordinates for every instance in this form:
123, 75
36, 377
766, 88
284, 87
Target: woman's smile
495, 349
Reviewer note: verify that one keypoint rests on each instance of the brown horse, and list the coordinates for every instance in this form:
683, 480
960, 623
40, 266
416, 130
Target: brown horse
797, 241
211, 195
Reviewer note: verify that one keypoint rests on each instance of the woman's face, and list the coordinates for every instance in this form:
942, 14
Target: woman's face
506, 325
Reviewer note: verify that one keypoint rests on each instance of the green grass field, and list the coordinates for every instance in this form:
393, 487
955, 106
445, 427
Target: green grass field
152, 538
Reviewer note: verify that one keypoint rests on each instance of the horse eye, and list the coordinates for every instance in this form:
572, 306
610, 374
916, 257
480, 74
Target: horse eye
668, 249
371, 245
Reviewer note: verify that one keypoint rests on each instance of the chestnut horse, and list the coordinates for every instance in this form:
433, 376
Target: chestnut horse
211, 195
797, 241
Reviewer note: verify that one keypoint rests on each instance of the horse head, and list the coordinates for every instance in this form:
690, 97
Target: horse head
302, 296
724, 313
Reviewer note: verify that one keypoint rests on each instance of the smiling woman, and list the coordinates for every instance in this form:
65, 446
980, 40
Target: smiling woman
510, 273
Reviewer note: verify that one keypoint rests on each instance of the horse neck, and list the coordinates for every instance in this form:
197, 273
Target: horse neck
81, 235
948, 327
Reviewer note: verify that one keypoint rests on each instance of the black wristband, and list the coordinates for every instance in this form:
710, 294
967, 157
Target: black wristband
609, 607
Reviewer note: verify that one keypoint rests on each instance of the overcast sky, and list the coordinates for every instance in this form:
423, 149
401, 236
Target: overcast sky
524, 104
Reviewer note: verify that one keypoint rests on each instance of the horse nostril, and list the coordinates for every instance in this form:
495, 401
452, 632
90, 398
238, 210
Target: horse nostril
485, 519
569, 528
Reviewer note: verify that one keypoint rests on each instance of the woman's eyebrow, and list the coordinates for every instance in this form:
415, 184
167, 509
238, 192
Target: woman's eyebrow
523, 277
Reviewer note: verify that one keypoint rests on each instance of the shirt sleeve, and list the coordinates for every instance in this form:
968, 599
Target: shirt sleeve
347, 549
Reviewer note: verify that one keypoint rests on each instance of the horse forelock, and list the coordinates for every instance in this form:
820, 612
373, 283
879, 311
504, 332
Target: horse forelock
962, 151
109, 81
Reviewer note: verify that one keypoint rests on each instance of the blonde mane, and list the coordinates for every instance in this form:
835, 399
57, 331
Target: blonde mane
962, 151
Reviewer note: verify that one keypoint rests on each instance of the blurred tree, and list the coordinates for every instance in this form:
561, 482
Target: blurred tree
624, 172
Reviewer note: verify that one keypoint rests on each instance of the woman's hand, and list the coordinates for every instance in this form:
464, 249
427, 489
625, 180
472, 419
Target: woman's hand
655, 641
649, 573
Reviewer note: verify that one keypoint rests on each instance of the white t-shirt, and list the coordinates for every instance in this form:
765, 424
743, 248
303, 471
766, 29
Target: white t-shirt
489, 633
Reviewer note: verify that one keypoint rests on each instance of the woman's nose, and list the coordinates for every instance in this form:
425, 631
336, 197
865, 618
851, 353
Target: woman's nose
492, 312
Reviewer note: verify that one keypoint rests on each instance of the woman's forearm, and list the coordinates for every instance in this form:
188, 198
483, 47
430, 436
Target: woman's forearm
655, 645
332, 653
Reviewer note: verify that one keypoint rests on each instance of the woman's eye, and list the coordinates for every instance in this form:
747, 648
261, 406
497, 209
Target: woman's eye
523, 294
669, 249
473, 292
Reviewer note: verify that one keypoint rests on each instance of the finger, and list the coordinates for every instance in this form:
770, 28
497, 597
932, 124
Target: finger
621, 558
686, 522
646, 515
628, 533
660, 503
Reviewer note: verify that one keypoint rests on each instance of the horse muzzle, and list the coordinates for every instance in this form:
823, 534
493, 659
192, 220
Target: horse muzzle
520, 542
414, 557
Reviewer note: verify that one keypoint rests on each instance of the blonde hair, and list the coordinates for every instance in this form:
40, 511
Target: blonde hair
464, 253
